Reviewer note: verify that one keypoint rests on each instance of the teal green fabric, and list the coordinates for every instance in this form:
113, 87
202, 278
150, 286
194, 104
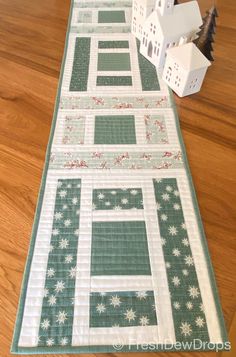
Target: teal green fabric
114, 81
80, 71
117, 199
113, 44
187, 306
57, 310
114, 16
119, 248
114, 62
122, 309
114, 130
148, 73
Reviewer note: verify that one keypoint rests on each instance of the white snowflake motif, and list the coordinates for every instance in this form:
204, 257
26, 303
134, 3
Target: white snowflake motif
67, 222
63, 193
113, 192
63, 244
176, 281
94, 206
72, 272
74, 200
188, 260
176, 206
163, 241
134, 192
50, 272
158, 180
185, 328
193, 292
176, 193
52, 300
183, 226
199, 321
158, 206
59, 184
50, 342
201, 306
76, 232
45, 324
176, 305
64, 207
77, 212
185, 242
189, 305
69, 185
45, 292
61, 317
165, 197
115, 326
141, 295
169, 188
68, 258
164, 217
64, 341
100, 308
58, 216
115, 301
173, 230
102, 293
51, 248
79, 185
55, 232
59, 286
107, 203
101, 196
117, 208
176, 252
144, 321
130, 315
168, 265
124, 201
185, 272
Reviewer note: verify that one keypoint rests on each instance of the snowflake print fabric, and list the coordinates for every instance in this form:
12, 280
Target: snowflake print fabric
118, 257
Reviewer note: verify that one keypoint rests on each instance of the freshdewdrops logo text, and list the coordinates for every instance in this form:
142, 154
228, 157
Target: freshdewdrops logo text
194, 345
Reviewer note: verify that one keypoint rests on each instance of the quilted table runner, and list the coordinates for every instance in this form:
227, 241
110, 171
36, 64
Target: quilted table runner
118, 259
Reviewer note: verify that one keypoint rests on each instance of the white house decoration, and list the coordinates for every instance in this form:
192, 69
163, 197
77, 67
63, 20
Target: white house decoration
160, 24
185, 69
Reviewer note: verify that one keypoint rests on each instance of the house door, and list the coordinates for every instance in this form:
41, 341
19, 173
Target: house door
150, 49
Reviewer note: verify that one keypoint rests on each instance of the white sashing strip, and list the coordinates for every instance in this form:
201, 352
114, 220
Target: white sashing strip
81, 329
199, 261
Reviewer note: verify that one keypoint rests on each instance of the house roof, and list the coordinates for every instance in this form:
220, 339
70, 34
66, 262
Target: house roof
184, 18
188, 56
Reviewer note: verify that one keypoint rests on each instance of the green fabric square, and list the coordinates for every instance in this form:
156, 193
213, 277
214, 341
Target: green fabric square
111, 16
117, 199
122, 309
114, 62
119, 248
115, 130
114, 81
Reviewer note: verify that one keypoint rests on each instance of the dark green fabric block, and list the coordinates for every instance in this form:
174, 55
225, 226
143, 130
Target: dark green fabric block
115, 130
119, 248
80, 71
111, 16
115, 81
113, 44
148, 73
114, 62
122, 309
117, 199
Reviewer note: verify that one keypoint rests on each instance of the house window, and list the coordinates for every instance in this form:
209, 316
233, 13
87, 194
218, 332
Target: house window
159, 3
176, 66
177, 81
168, 4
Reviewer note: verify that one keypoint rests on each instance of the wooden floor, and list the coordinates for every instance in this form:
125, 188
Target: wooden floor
32, 37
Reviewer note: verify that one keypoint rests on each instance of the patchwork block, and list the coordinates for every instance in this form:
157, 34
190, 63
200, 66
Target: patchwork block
117, 199
115, 130
114, 62
111, 16
119, 248
122, 309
